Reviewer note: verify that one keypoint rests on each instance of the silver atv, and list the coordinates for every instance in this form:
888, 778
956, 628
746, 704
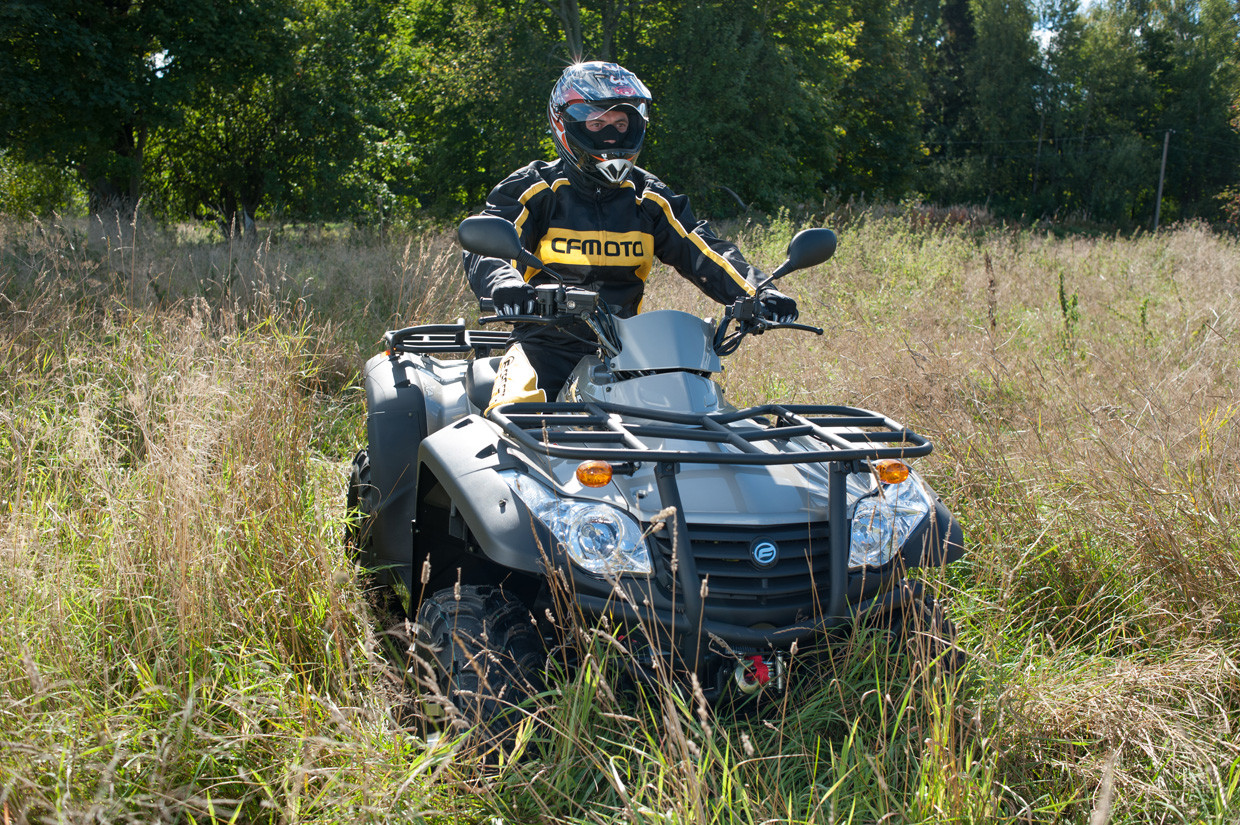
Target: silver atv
712, 539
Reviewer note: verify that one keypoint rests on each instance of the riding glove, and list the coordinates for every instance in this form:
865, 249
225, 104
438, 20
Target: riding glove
777, 306
517, 299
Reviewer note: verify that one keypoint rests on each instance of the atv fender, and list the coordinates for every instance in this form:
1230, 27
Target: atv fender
942, 541
395, 426
465, 459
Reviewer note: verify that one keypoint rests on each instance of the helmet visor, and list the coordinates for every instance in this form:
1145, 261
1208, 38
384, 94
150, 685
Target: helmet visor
581, 112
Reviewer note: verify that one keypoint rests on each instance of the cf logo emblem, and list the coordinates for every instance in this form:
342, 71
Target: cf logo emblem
764, 554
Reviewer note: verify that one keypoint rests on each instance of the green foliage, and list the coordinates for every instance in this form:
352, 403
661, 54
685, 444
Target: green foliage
377, 111
946, 39
1230, 198
877, 113
1002, 73
1077, 125
37, 189
474, 108
292, 136
87, 82
742, 100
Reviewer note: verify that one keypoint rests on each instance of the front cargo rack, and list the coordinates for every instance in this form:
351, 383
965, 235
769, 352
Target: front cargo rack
610, 432
433, 338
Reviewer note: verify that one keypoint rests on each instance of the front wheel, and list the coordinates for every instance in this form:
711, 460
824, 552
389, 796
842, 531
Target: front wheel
478, 656
928, 636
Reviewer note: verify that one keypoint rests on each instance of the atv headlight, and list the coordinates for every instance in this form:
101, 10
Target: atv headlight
599, 538
883, 517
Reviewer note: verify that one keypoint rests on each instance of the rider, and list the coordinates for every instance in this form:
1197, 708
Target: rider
599, 220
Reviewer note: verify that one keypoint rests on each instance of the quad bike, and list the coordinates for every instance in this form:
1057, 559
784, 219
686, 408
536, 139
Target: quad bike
717, 538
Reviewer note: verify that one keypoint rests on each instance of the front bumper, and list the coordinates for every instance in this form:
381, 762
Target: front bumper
757, 621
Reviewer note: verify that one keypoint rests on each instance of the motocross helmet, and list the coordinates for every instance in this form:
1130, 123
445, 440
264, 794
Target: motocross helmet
587, 91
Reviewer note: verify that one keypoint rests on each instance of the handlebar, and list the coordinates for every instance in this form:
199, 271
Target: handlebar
559, 304
553, 304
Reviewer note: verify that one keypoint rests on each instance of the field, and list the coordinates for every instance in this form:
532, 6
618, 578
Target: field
182, 638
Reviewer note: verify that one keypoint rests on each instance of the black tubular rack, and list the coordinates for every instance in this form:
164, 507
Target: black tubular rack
432, 338
610, 432
835, 436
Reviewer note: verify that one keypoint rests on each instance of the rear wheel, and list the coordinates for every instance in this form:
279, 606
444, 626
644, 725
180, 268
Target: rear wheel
478, 656
361, 501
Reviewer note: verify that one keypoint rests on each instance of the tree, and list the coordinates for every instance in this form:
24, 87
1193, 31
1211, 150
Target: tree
86, 82
36, 188
1192, 53
475, 106
747, 97
746, 100
1140, 70
296, 134
880, 115
1230, 197
1060, 27
946, 50
1003, 72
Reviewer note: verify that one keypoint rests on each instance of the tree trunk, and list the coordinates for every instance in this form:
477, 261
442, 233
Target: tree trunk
569, 13
113, 213
114, 195
611, 17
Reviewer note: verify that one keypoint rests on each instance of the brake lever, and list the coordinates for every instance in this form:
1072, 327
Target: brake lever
522, 319
760, 324
803, 327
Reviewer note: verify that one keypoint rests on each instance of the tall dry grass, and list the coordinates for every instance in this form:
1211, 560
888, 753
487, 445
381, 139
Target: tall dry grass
182, 638
1082, 394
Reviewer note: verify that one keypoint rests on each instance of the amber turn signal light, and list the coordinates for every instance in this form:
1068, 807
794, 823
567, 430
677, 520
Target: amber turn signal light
891, 470
594, 473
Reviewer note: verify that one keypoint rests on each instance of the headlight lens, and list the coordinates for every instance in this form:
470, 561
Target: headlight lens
599, 538
883, 517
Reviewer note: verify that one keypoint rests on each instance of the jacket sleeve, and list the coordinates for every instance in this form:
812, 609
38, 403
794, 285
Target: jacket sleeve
511, 200
689, 246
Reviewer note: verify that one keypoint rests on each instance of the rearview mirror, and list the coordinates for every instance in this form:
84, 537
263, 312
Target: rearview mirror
490, 236
809, 248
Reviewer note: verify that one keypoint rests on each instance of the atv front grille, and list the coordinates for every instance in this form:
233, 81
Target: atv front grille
738, 590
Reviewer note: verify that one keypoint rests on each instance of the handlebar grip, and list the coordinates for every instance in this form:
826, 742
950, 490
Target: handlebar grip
486, 305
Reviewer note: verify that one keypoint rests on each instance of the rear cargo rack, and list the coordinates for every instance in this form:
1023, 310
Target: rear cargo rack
433, 338
610, 432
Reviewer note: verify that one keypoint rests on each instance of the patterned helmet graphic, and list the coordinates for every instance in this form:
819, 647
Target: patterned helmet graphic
598, 113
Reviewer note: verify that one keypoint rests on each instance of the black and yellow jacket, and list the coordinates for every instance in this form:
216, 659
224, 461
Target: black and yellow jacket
605, 239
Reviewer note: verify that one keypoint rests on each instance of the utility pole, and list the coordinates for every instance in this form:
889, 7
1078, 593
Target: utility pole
1162, 173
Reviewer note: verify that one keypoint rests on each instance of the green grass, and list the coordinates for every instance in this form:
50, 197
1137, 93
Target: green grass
182, 638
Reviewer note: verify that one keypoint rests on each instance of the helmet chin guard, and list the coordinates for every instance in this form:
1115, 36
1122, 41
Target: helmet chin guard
615, 171
586, 91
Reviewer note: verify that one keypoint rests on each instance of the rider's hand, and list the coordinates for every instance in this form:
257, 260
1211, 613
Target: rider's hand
517, 299
777, 306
